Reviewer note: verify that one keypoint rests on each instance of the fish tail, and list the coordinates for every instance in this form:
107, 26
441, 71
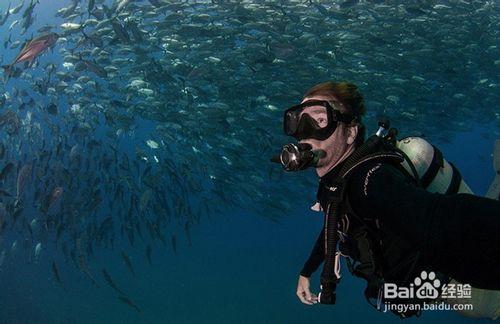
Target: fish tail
7, 70
18, 203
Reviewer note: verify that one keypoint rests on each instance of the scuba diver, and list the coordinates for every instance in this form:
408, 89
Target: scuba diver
392, 208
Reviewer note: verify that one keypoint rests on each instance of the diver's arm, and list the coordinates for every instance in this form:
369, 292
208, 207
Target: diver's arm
316, 258
459, 233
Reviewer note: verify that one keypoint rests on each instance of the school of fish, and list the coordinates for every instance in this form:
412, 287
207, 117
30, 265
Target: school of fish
129, 121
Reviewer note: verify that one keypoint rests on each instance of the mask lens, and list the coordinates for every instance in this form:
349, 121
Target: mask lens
317, 114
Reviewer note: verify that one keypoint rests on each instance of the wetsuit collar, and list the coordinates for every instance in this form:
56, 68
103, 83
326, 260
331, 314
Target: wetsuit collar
332, 174
326, 181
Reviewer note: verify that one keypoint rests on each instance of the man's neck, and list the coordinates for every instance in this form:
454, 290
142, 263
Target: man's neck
322, 171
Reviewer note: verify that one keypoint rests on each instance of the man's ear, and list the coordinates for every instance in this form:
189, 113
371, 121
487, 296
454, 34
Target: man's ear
352, 132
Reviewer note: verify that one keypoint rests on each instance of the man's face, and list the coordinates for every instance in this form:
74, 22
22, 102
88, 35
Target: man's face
336, 145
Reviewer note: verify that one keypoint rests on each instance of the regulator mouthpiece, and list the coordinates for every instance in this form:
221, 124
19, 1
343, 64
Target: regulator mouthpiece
295, 157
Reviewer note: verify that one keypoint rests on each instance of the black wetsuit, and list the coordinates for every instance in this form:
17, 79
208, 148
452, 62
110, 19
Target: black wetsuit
458, 234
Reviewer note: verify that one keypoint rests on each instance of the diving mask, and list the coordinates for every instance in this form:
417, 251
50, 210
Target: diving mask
315, 119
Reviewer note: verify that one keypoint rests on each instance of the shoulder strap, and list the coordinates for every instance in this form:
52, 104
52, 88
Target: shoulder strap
414, 172
436, 164
456, 179
391, 157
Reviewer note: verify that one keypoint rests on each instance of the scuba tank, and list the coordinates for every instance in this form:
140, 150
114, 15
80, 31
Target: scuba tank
435, 174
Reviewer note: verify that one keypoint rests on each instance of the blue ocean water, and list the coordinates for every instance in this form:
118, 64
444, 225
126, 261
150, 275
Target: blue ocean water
240, 266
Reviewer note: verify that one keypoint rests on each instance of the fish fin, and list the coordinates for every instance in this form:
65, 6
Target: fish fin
7, 68
114, 41
494, 189
7, 72
107, 11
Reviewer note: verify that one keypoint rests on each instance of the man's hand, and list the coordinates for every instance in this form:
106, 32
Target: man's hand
304, 293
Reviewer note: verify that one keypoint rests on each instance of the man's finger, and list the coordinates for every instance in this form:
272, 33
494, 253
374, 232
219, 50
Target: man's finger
308, 294
302, 298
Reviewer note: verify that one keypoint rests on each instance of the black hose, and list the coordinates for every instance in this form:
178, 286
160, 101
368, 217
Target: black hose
329, 279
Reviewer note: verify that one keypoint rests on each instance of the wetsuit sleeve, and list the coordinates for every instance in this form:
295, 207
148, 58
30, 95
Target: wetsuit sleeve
459, 234
316, 257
